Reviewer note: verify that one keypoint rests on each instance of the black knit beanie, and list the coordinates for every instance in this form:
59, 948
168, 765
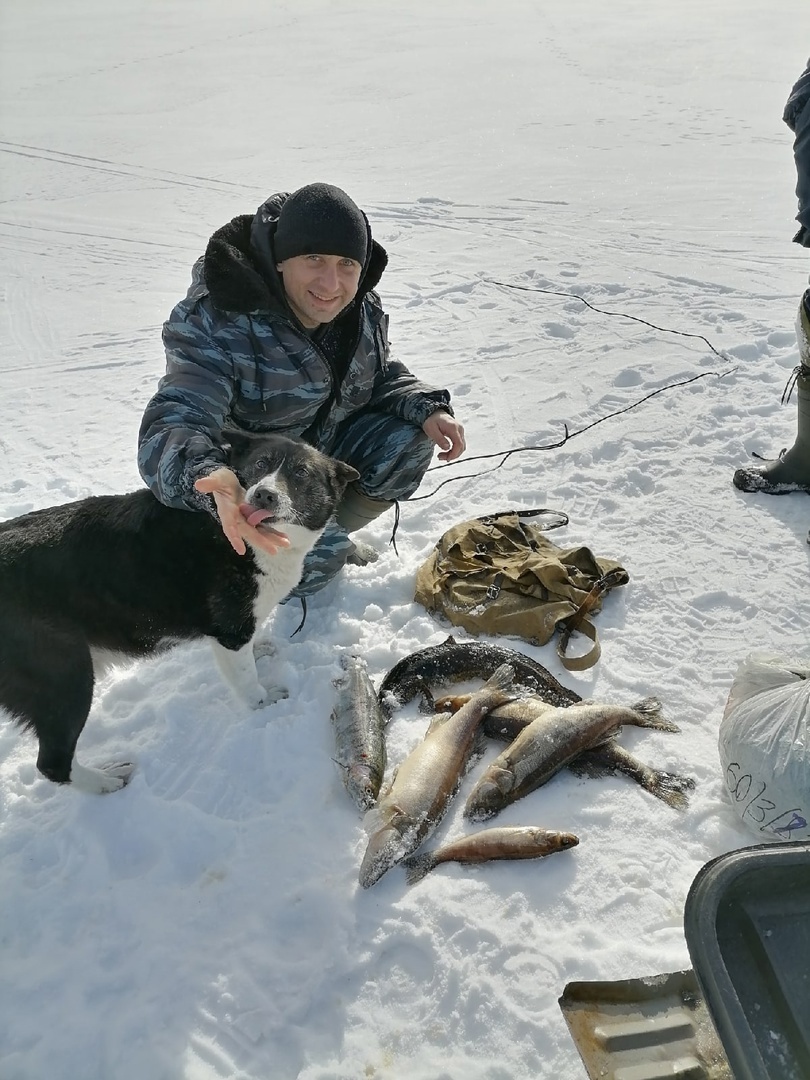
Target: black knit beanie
320, 219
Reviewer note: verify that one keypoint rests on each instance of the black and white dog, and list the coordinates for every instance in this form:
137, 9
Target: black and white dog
124, 576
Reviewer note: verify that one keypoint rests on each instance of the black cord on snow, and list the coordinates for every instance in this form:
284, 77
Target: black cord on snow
506, 454
300, 626
603, 311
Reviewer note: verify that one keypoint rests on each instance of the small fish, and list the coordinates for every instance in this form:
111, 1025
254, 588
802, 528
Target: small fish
516, 842
455, 661
359, 726
604, 760
427, 780
548, 744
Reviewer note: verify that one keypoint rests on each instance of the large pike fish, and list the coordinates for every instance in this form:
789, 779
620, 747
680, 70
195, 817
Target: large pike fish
507, 722
427, 780
515, 842
548, 743
359, 726
454, 661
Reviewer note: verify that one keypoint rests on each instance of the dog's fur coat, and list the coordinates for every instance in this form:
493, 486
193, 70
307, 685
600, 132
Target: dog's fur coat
125, 576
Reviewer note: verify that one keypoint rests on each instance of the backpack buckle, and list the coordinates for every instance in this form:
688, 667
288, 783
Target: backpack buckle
493, 590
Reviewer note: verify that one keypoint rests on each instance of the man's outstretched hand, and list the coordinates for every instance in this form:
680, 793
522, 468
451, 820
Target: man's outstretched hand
229, 497
447, 433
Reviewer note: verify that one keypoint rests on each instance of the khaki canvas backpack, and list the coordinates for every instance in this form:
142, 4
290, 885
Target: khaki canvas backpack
498, 574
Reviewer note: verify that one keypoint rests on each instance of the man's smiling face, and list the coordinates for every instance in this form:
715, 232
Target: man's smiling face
319, 287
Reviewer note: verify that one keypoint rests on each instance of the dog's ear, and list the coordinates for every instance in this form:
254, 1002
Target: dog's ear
236, 443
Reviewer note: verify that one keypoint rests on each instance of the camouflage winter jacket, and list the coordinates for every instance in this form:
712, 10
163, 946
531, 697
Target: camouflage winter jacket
237, 355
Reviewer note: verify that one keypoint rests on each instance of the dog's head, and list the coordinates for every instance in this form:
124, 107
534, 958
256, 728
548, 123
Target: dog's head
287, 482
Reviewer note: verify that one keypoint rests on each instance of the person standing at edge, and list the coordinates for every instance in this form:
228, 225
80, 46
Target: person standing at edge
791, 470
281, 330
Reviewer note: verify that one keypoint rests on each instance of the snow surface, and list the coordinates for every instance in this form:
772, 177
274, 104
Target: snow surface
206, 922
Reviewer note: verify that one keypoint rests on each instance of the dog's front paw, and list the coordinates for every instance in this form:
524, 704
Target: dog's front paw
265, 695
263, 648
275, 693
102, 781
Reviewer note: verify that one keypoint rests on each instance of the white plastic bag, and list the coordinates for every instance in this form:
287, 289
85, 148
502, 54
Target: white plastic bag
765, 746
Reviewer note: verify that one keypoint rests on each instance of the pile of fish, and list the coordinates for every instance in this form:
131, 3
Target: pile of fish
547, 727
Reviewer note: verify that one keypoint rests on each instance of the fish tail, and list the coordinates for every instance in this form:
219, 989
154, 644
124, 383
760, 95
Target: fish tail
670, 788
502, 678
418, 866
648, 713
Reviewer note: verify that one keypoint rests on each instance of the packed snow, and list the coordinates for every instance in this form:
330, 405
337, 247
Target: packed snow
628, 167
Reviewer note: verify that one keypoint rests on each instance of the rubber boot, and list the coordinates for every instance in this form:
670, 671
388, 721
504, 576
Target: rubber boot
357, 509
791, 470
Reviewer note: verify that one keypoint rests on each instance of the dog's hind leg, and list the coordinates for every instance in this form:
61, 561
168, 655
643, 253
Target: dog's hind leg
46, 683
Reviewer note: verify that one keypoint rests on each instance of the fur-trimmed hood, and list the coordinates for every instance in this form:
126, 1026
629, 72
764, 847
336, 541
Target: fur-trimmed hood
240, 266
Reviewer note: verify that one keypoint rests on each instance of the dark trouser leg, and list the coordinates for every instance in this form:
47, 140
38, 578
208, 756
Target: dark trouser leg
392, 456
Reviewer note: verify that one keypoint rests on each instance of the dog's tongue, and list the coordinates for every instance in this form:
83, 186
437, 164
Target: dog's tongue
252, 515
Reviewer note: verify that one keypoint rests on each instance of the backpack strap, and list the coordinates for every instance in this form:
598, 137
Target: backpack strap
588, 659
557, 518
580, 622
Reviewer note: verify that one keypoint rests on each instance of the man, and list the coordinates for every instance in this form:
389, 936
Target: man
791, 470
281, 330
